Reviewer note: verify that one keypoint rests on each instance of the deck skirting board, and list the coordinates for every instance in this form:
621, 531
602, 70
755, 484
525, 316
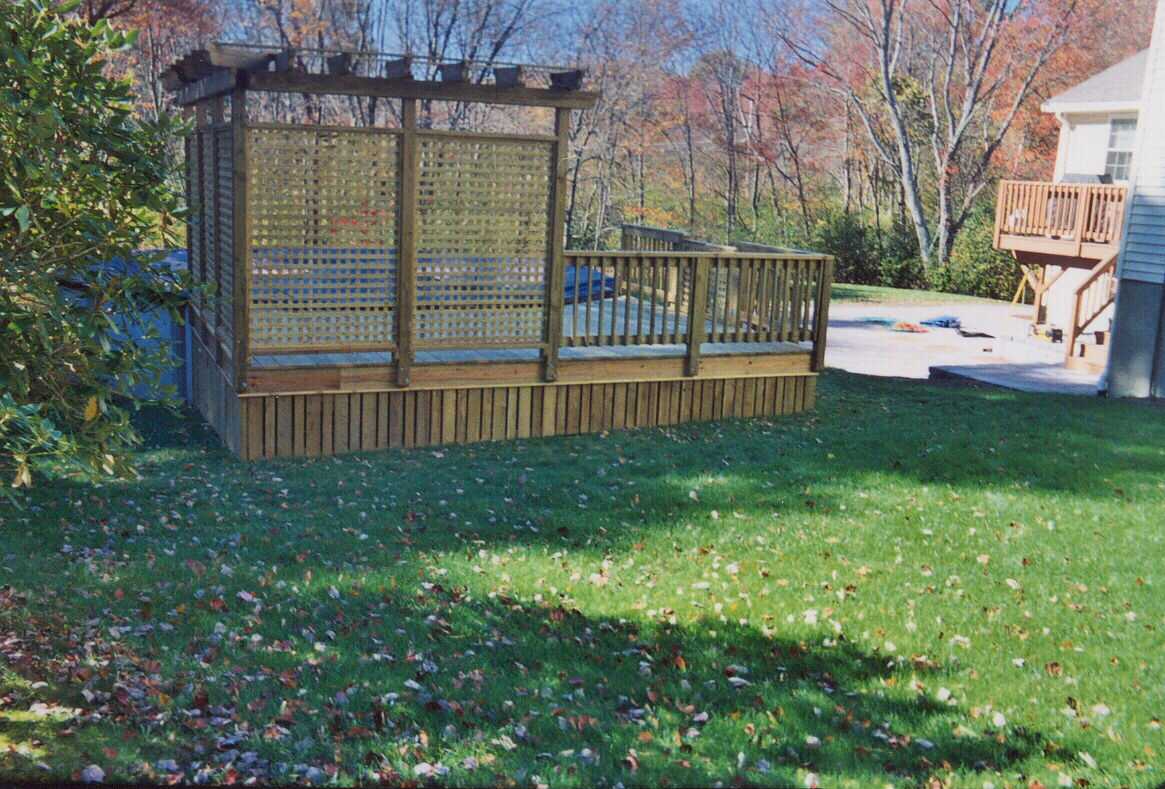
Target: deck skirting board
313, 425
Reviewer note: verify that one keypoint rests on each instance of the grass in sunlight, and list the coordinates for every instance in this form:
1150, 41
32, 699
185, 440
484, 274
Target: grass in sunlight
878, 294
913, 583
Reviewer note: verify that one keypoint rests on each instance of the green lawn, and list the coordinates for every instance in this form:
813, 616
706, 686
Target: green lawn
876, 294
916, 582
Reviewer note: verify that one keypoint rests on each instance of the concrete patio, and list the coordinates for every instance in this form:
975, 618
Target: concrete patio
1008, 359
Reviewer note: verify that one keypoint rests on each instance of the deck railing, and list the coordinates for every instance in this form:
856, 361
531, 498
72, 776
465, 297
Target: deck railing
624, 298
1083, 213
661, 298
1092, 298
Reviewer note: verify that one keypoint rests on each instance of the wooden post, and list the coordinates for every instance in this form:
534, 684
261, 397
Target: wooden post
406, 279
821, 326
555, 258
1082, 207
241, 244
1038, 301
696, 313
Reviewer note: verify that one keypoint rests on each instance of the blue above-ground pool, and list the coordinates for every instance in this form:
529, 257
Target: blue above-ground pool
583, 283
170, 333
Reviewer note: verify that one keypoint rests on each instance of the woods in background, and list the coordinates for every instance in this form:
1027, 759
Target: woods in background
874, 129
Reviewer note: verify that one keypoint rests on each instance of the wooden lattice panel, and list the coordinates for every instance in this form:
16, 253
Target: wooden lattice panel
482, 240
194, 212
208, 263
224, 231
323, 222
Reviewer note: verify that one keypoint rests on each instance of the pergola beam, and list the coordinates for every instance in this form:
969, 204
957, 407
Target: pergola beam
381, 87
218, 83
223, 81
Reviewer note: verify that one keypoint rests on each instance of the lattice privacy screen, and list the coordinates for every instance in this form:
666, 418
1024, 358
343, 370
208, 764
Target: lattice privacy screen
224, 206
210, 188
323, 217
482, 240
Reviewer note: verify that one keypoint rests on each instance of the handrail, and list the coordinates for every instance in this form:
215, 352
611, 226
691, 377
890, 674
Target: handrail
1092, 298
1082, 213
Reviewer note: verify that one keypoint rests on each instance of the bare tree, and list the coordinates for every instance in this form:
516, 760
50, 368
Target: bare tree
948, 76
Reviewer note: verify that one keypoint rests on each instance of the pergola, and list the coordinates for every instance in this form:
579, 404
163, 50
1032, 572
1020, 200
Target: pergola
378, 286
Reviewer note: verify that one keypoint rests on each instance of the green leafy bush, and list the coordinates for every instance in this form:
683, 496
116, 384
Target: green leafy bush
81, 181
976, 268
853, 246
908, 273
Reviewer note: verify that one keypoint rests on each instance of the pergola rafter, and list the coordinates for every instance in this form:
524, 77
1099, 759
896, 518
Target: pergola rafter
220, 69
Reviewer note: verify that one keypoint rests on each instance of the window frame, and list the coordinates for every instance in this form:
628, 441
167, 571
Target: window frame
1123, 154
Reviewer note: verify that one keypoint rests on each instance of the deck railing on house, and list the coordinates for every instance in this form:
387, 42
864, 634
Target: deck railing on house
1092, 298
1080, 213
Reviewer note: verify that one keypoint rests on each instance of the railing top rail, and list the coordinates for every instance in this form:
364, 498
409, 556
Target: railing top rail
626, 253
656, 232
1065, 185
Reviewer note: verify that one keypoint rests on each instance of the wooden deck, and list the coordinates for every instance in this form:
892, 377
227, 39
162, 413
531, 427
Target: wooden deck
396, 287
1059, 224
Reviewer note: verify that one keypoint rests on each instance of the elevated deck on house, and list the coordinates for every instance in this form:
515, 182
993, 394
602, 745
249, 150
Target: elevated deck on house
1059, 224
1066, 226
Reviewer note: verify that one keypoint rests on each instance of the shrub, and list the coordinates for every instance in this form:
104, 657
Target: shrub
909, 273
853, 246
82, 182
899, 242
976, 268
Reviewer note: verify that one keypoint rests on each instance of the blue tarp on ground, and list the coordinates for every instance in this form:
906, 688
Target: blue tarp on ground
943, 322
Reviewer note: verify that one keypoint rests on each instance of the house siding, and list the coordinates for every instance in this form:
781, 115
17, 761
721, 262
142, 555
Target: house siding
1143, 256
1086, 143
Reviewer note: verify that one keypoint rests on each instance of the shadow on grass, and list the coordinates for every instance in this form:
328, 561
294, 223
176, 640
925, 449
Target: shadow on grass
378, 682
609, 681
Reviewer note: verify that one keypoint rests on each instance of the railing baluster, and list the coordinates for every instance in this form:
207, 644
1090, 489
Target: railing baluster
669, 267
764, 309
614, 298
574, 301
728, 300
639, 304
713, 283
653, 334
810, 290
795, 301
741, 316
627, 302
760, 329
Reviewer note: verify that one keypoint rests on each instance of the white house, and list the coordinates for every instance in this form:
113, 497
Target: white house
1098, 122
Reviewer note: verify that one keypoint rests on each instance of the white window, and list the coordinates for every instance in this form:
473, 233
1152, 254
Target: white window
1122, 134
